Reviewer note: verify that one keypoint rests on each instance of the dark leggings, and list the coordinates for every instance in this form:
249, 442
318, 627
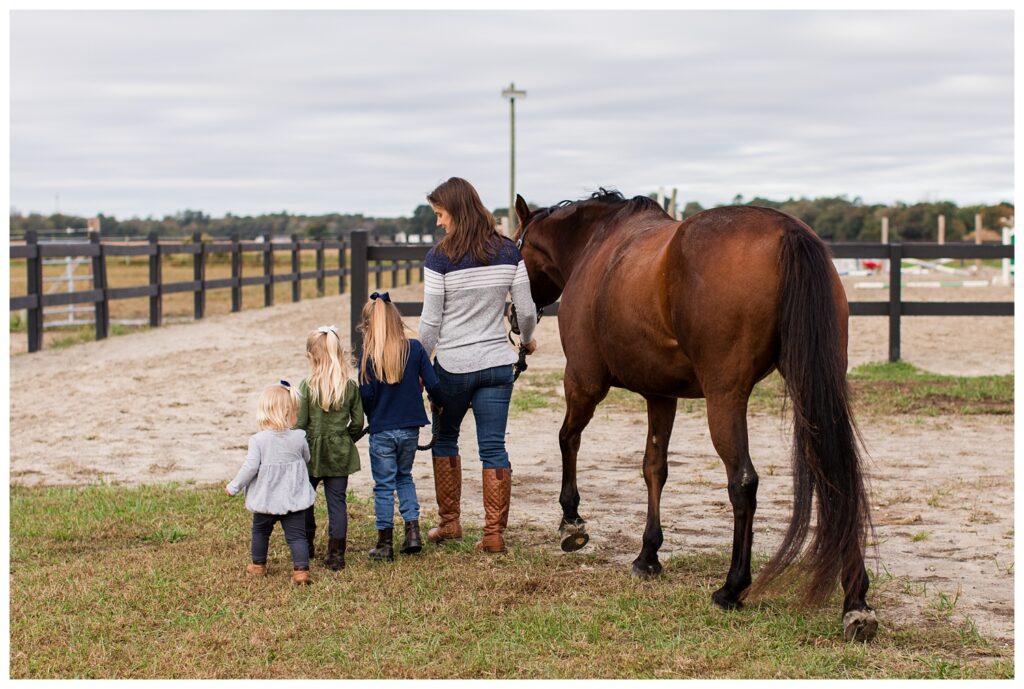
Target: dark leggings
293, 524
335, 488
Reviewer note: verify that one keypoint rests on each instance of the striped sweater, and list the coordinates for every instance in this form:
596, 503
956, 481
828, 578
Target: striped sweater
464, 308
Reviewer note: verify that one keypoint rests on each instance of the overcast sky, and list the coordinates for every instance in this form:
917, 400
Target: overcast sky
149, 113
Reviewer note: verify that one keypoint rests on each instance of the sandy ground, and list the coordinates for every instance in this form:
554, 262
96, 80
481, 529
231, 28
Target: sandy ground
178, 404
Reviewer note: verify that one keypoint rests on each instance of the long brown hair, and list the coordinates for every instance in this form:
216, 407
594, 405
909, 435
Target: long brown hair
473, 225
385, 346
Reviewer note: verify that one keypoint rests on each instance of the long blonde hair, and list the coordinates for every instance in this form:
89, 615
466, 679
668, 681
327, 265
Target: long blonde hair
277, 408
385, 346
331, 366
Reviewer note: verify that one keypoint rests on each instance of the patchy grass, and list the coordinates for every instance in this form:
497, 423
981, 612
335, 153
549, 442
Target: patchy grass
149, 582
878, 389
901, 388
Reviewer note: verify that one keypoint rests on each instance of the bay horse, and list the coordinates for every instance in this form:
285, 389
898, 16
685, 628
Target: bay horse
707, 307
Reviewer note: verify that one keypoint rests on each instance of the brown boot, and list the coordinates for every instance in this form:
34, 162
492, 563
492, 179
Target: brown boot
497, 494
300, 577
256, 570
448, 487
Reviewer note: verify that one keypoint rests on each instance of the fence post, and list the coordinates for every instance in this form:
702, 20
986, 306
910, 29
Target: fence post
198, 268
99, 281
895, 299
268, 270
296, 270
408, 273
236, 272
360, 289
320, 269
342, 253
34, 268
156, 315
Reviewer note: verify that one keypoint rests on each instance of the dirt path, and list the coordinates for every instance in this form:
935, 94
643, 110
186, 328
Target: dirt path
177, 403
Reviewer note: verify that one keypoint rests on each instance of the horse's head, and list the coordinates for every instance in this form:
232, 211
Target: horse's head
552, 239
535, 241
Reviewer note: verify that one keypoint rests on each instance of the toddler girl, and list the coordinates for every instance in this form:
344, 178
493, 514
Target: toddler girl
390, 373
276, 484
331, 413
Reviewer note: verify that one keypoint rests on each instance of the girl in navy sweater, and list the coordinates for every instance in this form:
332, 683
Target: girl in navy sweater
391, 372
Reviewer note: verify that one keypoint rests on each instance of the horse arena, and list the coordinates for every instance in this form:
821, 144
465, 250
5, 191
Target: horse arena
178, 403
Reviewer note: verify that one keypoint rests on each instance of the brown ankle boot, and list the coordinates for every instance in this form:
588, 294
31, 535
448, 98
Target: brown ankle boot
300, 577
448, 487
257, 570
497, 494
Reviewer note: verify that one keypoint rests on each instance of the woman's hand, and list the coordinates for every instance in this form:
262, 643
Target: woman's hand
228, 492
531, 346
436, 410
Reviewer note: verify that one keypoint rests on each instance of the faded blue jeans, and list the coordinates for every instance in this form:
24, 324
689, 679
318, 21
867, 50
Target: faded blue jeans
391, 457
488, 393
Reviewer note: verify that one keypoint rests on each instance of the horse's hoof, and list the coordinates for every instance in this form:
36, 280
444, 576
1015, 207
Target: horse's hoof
645, 571
575, 541
725, 601
860, 625
574, 536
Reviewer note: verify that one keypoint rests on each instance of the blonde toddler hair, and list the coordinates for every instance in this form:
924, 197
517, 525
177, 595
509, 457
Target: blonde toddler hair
385, 346
277, 409
331, 366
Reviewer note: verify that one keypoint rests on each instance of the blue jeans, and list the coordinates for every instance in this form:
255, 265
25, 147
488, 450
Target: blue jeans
488, 392
391, 456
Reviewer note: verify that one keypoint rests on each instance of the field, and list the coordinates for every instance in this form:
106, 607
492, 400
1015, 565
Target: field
127, 560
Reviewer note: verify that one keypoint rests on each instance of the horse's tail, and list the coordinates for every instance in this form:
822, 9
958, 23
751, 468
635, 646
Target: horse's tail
826, 460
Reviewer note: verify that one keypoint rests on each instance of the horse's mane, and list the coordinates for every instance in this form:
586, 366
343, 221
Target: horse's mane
614, 197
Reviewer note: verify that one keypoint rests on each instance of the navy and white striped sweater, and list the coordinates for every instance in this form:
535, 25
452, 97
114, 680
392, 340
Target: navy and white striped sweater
464, 308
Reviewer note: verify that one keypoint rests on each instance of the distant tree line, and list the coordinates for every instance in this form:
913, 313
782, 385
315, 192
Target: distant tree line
834, 218
842, 220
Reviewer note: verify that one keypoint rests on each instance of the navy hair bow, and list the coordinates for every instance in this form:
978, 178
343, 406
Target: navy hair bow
286, 384
381, 295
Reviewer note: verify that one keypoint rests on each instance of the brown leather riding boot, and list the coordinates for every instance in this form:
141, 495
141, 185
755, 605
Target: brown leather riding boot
448, 487
497, 495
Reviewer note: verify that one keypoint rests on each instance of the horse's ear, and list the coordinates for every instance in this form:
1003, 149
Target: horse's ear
522, 210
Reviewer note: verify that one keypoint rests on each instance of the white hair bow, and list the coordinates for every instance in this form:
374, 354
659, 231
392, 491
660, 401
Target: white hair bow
327, 329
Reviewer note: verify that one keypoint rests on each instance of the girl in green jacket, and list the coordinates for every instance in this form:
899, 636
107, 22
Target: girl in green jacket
331, 413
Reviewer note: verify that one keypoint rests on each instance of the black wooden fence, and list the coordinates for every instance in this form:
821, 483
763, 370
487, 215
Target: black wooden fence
895, 308
366, 259
101, 295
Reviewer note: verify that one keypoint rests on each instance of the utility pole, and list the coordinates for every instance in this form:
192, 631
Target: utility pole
512, 94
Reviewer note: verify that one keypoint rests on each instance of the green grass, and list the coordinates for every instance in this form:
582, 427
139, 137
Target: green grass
878, 389
901, 388
149, 582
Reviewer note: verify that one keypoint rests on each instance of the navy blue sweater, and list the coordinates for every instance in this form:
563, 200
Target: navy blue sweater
400, 405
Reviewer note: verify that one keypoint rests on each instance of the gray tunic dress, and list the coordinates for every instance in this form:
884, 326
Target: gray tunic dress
274, 474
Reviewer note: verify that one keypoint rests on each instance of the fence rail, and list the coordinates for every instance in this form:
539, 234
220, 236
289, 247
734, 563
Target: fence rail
366, 259
895, 308
100, 296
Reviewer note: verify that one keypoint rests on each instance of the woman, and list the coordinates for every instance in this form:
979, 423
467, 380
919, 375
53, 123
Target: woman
466, 279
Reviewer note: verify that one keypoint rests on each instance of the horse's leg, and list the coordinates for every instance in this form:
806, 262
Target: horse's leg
661, 414
859, 620
580, 401
727, 420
